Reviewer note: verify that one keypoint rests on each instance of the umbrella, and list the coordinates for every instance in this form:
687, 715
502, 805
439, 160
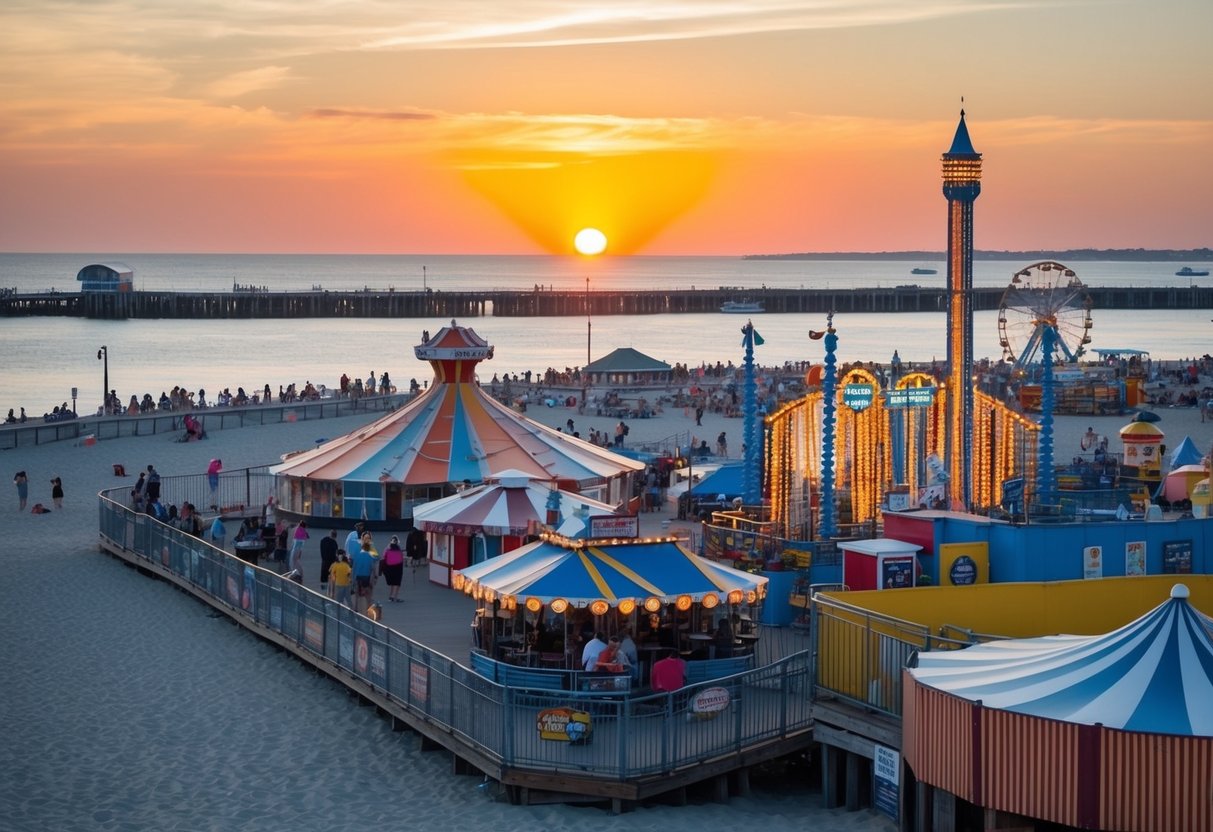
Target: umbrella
1147, 416
1179, 483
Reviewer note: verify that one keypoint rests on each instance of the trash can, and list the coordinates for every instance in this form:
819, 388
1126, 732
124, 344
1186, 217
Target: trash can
249, 550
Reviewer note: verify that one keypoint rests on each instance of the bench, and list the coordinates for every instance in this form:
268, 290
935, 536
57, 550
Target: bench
708, 669
517, 677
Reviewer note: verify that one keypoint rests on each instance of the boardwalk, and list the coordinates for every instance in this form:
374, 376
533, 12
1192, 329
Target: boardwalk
541, 303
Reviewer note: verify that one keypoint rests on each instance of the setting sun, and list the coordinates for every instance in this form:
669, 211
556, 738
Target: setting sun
590, 241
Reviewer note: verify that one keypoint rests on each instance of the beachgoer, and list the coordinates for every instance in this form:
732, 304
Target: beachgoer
153, 484
699, 417
669, 673
339, 575
592, 650
22, 482
328, 556
353, 541
219, 533
57, 492
723, 639
627, 649
392, 568
722, 446
1089, 439
611, 659
365, 561
415, 547
212, 479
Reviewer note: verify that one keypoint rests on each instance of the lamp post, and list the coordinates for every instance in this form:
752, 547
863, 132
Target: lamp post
103, 354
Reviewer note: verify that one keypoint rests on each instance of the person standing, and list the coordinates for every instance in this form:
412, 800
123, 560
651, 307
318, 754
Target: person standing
627, 649
22, 483
137, 492
392, 568
339, 576
153, 484
57, 492
219, 533
365, 562
353, 540
328, 556
669, 674
592, 650
212, 479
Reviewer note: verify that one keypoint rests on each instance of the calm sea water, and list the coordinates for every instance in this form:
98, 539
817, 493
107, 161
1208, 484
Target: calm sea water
44, 358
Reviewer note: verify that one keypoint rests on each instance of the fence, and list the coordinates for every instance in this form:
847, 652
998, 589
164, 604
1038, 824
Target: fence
632, 736
212, 418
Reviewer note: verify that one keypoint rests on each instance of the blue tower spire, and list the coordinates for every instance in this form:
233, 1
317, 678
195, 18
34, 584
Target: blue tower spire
828, 526
752, 461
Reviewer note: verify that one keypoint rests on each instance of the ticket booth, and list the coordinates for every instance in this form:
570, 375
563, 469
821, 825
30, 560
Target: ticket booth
882, 563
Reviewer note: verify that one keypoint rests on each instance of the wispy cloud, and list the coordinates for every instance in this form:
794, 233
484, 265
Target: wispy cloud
373, 115
250, 80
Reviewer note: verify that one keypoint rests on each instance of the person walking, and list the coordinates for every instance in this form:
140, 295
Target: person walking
328, 556
219, 533
299, 538
57, 492
365, 562
22, 482
138, 491
391, 567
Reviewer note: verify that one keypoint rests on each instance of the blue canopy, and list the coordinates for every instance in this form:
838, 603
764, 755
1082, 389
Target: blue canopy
1186, 453
727, 480
1154, 674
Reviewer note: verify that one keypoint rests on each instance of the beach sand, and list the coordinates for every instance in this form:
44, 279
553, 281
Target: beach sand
130, 705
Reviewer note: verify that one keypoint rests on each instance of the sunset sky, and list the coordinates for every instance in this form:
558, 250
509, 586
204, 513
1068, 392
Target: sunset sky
692, 127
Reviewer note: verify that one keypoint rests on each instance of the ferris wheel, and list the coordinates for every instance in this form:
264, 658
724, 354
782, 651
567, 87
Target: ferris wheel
1041, 296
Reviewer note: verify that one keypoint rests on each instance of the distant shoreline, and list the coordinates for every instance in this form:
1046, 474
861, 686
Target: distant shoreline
1128, 255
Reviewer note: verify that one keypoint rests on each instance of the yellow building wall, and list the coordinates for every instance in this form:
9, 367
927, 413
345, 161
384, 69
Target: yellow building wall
1027, 610
977, 551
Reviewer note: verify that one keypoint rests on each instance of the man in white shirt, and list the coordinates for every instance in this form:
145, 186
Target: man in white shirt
593, 648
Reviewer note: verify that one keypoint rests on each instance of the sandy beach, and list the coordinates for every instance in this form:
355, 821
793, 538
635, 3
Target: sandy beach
132, 706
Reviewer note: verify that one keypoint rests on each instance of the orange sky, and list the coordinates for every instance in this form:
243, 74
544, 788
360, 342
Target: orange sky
469, 126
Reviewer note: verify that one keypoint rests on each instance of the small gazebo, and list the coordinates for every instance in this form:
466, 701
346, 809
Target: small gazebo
626, 367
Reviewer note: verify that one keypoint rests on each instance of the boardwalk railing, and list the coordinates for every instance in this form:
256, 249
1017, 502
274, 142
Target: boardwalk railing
633, 737
859, 654
94, 428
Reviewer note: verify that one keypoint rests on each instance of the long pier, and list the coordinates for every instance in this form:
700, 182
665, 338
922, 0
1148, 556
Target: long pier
373, 303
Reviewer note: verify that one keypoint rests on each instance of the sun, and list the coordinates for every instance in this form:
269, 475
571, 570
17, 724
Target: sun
590, 241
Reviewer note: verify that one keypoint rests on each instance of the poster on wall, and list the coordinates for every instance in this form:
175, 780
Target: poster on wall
1135, 557
886, 768
897, 573
1092, 562
1177, 557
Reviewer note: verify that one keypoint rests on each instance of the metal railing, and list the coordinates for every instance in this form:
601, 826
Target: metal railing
633, 736
858, 654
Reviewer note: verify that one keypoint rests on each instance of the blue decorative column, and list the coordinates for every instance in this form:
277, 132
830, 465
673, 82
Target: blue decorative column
752, 462
828, 526
1046, 477
897, 424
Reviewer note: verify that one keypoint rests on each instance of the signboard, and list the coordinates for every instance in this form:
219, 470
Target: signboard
886, 769
313, 631
910, 397
615, 525
419, 682
1012, 495
345, 649
963, 571
1135, 557
858, 396
564, 725
1092, 562
250, 589
452, 353
362, 654
896, 573
1177, 557
709, 702
378, 670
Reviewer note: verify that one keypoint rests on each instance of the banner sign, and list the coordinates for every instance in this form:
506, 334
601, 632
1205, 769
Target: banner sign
419, 682
1135, 557
1092, 562
910, 397
709, 702
614, 525
1177, 557
564, 725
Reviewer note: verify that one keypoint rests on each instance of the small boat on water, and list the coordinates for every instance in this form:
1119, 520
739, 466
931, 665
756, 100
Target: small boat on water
921, 270
743, 307
1188, 271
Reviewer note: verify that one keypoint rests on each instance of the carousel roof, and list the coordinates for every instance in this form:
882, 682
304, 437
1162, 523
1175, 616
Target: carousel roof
510, 506
453, 432
1154, 674
582, 572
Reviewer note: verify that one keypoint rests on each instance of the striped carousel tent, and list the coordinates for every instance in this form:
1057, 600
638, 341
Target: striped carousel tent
1154, 674
452, 433
582, 572
1110, 732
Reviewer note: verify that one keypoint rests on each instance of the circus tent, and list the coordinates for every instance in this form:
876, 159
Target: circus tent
1154, 674
451, 433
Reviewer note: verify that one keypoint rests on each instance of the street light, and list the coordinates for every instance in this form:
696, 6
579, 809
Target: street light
103, 354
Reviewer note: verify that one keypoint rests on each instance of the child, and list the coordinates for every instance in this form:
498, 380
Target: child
339, 578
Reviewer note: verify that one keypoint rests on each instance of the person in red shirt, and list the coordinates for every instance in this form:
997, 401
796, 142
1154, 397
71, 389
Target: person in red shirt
669, 673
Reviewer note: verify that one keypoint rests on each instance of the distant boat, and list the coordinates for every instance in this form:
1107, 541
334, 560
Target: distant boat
921, 270
1188, 271
742, 307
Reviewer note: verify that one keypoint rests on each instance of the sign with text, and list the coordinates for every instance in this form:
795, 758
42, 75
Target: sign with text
1135, 557
709, 702
1177, 557
858, 396
564, 725
1092, 562
911, 397
419, 682
886, 770
615, 525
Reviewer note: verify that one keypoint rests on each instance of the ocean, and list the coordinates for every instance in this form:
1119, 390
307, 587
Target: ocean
45, 358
